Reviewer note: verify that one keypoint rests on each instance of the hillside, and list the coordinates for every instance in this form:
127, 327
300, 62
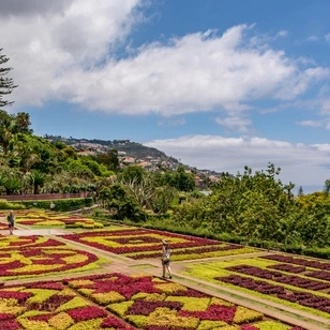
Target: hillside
130, 153
124, 147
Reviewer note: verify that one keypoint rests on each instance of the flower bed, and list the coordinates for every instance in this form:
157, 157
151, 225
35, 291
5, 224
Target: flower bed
298, 291
52, 305
146, 244
152, 303
34, 255
51, 219
116, 301
299, 261
4, 225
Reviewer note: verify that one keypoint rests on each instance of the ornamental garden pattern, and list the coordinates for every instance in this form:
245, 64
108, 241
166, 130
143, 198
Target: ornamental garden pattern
87, 299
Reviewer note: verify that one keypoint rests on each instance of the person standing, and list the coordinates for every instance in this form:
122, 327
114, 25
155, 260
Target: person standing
11, 222
166, 253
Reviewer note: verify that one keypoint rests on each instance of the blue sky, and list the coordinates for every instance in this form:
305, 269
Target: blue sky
218, 84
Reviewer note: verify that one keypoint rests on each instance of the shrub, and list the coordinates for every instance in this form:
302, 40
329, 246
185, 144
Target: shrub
6, 205
60, 204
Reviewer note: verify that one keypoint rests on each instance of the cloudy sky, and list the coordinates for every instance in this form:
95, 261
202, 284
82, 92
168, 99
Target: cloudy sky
216, 84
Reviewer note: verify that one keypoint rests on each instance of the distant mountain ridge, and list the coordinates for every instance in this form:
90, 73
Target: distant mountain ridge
132, 149
133, 153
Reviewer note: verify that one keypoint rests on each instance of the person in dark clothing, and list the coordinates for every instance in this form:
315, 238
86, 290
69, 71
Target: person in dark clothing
166, 253
11, 222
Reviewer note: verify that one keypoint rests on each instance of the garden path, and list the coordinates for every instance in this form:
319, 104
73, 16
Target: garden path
124, 265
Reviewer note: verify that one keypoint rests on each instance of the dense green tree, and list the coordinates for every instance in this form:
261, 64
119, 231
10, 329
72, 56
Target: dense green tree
109, 159
131, 173
6, 130
23, 148
162, 198
121, 203
6, 84
22, 123
180, 179
250, 205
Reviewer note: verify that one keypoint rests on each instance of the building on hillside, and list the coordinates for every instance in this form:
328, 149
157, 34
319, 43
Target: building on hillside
128, 160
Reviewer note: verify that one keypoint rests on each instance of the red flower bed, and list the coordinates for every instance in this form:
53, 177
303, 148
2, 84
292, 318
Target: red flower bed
303, 298
10, 325
288, 268
87, 313
125, 285
142, 307
279, 277
213, 313
6, 316
299, 261
21, 297
114, 322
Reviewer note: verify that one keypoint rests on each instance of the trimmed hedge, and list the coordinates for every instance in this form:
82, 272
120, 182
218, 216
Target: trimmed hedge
61, 205
5, 205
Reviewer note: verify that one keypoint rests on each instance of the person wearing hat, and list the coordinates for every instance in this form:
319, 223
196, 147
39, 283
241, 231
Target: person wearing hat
166, 258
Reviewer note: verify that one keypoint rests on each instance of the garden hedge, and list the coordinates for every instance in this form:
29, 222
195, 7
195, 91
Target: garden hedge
61, 205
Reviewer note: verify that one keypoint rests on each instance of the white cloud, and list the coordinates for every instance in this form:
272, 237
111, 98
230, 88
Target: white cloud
313, 38
302, 164
282, 33
234, 123
310, 123
327, 37
192, 74
68, 55
48, 48
32, 7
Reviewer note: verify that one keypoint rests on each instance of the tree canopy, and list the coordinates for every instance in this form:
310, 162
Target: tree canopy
6, 84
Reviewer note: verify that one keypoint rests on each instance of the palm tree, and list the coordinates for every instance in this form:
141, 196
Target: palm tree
12, 184
37, 179
28, 157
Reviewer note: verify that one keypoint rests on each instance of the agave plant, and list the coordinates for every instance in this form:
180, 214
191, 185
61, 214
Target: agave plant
12, 184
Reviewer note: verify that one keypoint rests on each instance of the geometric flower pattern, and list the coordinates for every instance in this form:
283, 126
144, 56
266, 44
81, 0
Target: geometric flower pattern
155, 304
271, 278
140, 302
34, 255
145, 244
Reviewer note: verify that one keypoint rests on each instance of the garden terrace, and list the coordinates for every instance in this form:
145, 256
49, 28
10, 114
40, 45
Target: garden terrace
50, 219
146, 244
29, 256
117, 301
291, 285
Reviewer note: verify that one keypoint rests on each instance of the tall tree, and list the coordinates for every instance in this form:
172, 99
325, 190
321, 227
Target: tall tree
6, 84
22, 123
6, 129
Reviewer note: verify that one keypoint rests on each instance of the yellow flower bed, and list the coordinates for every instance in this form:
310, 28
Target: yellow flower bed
120, 308
61, 321
74, 303
192, 305
87, 325
39, 295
